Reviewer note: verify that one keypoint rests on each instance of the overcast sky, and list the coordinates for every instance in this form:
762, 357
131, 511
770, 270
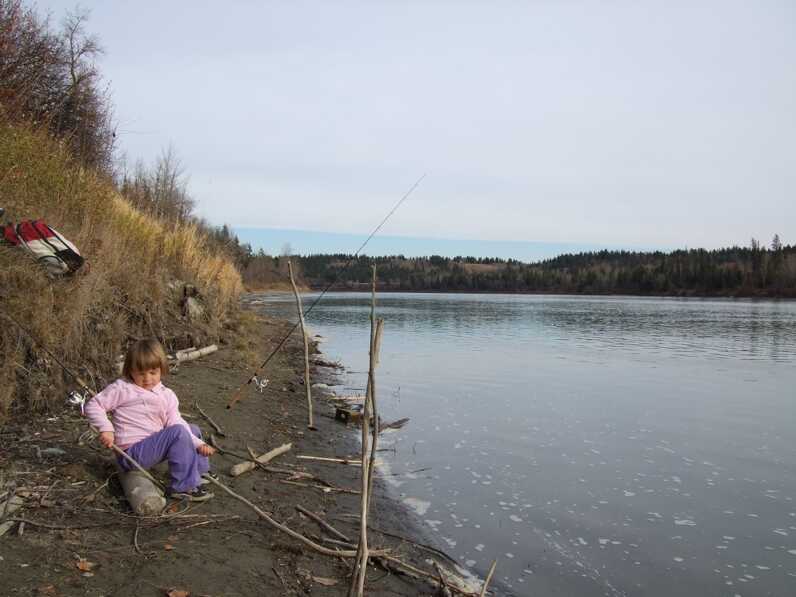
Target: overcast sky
637, 124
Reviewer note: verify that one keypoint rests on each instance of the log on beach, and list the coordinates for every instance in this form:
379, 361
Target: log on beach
145, 497
195, 354
243, 467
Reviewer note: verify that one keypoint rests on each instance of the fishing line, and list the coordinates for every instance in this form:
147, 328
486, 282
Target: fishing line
236, 396
33, 339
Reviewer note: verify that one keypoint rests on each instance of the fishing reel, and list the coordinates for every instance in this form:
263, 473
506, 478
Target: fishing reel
260, 384
77, 398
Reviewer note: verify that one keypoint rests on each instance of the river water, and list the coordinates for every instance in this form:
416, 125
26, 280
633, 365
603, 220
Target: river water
593, 445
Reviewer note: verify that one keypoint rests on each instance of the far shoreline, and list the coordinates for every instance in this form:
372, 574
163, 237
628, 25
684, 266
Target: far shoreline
278, 289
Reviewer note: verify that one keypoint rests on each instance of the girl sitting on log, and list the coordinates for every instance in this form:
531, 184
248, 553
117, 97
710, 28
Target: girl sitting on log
147, 423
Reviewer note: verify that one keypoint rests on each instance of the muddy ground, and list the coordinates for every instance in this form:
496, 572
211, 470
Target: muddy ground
97, 547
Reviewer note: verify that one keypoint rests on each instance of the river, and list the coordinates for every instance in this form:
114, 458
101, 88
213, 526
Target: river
593, 445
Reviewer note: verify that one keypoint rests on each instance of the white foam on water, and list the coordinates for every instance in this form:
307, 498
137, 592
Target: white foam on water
510, 555
728, 538
629, 493
759, 567
678, 559
470, 563
603, 541
582, 541
684, 522
418, 505
515, 518
479, 547
782, 532
792, 552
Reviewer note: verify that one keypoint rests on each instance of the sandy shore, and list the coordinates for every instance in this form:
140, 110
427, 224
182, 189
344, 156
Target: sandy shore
218, 548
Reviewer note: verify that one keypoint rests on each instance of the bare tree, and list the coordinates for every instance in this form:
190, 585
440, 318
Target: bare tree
50, 80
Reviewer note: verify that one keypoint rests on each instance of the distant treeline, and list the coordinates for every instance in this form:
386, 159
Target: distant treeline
738, 271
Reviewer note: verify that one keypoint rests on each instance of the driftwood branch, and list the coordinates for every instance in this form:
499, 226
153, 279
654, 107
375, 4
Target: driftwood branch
352, 462
307, 383
325, 487
287, 530
130, 460
488, 578
61, 527
244, 467
324, 525
207, 418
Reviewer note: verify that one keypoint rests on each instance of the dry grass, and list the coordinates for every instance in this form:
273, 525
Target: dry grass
130, 287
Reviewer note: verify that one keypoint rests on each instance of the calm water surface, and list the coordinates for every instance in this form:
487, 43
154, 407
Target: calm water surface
594, 446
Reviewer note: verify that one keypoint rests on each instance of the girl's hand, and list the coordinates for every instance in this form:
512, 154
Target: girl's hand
206, 450
106, 438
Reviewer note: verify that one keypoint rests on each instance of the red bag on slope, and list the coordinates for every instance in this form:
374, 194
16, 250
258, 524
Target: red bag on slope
58, 256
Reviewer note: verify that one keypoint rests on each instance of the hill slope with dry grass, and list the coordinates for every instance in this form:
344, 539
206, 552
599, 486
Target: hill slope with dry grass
133, 284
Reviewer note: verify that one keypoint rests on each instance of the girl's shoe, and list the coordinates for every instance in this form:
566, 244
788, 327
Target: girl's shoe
197, 494
209, 474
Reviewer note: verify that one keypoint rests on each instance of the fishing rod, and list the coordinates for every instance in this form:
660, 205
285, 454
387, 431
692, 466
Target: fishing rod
237, 395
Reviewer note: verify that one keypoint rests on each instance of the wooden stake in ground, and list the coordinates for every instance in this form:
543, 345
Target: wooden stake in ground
307, 383
376, 429
357, 587
488, 578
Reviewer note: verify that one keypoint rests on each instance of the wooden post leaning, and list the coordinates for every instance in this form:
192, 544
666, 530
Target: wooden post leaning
307, 382
357, 587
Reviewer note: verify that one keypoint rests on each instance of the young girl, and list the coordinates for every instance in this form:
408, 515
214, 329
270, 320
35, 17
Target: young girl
147, 423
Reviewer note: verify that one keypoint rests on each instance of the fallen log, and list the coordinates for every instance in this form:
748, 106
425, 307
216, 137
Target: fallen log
244, 467
195, 354
143, 495
11, 505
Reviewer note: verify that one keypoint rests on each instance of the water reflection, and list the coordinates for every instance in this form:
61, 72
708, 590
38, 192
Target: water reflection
595, 445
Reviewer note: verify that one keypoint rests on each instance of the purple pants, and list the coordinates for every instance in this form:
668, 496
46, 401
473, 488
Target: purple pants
174, 444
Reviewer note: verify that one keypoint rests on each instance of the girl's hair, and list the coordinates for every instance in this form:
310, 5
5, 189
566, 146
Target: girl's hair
144, 355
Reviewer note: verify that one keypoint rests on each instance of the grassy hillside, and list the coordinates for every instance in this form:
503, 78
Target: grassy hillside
131, 286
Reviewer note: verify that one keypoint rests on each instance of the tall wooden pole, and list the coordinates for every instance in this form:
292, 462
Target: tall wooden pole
375, 412
307, 382
357, 587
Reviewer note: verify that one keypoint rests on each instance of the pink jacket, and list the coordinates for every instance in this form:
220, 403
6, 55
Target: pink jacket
137, 413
